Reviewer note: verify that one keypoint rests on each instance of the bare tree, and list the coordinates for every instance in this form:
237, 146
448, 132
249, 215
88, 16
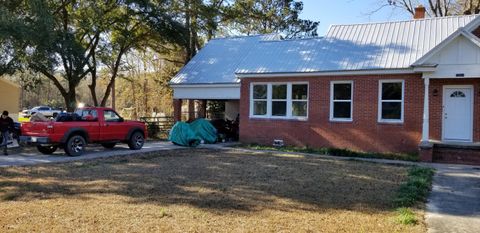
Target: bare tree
435, 8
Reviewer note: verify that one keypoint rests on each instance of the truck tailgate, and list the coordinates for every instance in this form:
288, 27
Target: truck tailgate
36, 128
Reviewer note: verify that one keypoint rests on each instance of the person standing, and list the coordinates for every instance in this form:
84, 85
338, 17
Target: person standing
6, 126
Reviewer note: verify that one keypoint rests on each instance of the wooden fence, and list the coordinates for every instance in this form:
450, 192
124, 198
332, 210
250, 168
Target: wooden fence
158, 126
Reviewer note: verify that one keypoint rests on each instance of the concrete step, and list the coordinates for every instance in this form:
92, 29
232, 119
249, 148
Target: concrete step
458, 154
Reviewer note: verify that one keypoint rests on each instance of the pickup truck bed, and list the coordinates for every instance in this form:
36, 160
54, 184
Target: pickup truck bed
92, 125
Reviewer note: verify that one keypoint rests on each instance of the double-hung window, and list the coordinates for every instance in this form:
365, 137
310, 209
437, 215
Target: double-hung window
341, 98
299, 100
260, 100
391, 100
279, 100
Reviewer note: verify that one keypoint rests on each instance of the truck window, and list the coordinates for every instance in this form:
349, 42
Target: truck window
111, 116
87, 113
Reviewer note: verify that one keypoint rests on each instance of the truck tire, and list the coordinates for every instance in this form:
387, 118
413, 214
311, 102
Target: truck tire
136, 141
75, 145
47, 150
55, 115
109, 145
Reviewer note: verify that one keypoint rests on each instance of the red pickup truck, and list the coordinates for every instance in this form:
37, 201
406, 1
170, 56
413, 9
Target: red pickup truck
89, 125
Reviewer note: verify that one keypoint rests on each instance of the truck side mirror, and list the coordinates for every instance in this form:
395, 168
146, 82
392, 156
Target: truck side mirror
121, 119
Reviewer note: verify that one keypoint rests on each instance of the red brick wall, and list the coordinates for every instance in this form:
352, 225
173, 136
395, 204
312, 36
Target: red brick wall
364, 133
436, 103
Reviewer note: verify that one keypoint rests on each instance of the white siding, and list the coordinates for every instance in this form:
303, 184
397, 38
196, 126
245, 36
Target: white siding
461, 56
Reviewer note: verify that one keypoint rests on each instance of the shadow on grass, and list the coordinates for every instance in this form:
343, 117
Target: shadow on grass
213, 180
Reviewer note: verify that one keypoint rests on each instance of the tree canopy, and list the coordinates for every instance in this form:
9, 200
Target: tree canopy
68, 41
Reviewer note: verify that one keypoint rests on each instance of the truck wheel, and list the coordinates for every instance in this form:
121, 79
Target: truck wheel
110, 145
136, 141
55, 115
47, 150
75, 145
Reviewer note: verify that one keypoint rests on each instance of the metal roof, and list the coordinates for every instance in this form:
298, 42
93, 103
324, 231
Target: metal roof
369, 46
217, 61
388, 45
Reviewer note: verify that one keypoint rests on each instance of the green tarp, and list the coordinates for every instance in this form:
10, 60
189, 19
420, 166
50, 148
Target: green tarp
192, 134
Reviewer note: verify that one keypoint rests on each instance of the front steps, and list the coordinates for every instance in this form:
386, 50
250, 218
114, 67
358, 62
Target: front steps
458, 154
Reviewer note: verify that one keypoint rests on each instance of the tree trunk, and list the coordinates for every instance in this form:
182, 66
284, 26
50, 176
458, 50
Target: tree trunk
70, 100
113, 95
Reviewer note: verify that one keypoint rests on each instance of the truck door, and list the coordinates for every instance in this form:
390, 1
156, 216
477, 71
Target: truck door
113, 127
89, 122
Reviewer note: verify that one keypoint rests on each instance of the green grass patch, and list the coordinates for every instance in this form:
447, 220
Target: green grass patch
337, 152
416, 188
412, 192
406, 216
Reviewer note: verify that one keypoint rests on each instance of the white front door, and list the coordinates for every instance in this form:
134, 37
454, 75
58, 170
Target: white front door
457, 113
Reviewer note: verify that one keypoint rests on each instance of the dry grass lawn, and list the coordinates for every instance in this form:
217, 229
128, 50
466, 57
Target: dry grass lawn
202, 191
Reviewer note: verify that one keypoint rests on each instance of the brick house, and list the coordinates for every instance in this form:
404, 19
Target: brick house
382, 87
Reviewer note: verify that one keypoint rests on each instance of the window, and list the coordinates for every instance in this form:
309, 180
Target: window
87, 113
259, 100
391, 101
299, 100
279, 100
341, 93
111, 116
457, 94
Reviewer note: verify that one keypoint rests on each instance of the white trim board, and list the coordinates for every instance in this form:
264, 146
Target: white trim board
326, 73
206, 92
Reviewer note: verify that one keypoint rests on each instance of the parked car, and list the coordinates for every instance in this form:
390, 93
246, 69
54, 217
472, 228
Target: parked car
44, 110
86, 125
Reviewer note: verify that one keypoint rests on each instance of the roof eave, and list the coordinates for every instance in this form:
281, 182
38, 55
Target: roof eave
326, 73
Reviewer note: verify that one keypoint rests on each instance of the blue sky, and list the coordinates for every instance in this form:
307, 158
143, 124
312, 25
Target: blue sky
348, 11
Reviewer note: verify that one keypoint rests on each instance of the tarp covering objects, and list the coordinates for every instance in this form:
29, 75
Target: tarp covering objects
205, 130
185, 134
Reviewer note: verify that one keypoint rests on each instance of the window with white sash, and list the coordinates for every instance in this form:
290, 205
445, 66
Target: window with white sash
279, 100
341, 100
391, 101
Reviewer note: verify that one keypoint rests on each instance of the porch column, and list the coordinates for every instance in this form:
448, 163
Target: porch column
177, 110
202, 108
426, 113
191, 110
426, 148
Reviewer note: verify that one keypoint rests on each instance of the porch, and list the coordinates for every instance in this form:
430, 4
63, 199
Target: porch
451, 120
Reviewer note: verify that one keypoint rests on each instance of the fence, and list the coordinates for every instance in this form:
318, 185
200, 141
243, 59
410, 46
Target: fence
158, 127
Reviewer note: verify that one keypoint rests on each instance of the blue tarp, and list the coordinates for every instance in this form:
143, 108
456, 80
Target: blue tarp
192, 134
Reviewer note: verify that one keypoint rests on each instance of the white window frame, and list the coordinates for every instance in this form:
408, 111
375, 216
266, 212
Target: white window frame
271, 99
253, 100
380, 101
332, 101
289, 100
